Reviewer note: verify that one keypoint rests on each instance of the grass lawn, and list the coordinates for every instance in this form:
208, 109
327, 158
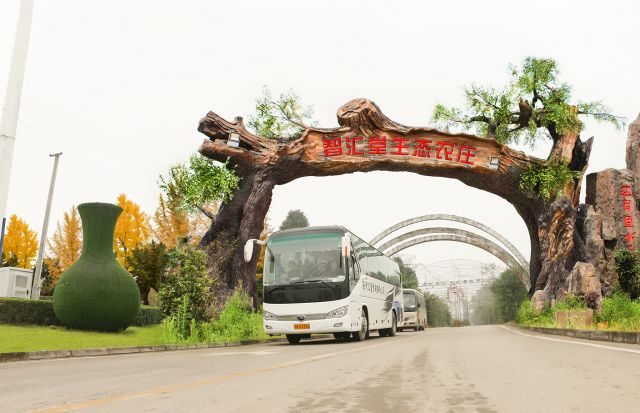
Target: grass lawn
32, 338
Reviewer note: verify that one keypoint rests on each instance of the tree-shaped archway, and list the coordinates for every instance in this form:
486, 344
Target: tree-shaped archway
367, 140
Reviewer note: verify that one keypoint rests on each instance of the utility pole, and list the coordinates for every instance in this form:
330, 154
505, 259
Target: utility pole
35, 289
9, 121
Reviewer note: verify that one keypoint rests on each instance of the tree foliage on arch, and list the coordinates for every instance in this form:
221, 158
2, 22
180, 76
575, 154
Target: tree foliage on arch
534, 105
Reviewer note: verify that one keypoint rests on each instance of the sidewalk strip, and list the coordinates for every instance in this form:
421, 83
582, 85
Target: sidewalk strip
580, 343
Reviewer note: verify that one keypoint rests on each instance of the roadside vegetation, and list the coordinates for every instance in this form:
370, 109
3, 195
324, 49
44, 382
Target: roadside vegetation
438, 314
619, 312
498, 301
236, 322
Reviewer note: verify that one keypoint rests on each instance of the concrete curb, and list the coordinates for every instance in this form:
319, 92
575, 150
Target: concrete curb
595, 335
92, 352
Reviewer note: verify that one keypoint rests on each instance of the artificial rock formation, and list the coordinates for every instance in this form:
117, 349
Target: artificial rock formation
633, 153
583, 280
610, 219
539, 299
367, 140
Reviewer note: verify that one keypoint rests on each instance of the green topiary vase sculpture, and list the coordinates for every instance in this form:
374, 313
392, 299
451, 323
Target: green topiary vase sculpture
96, 293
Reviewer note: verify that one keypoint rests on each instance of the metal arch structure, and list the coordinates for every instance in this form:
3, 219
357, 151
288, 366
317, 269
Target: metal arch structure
454, 218
513, 263
475, 240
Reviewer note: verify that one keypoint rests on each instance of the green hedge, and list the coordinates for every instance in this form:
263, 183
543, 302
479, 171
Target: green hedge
40, 312
21, 311
148, 315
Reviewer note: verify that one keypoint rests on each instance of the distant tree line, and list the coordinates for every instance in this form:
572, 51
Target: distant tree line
498, 301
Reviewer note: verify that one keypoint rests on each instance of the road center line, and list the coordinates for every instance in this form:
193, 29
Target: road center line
196, 383
580, 343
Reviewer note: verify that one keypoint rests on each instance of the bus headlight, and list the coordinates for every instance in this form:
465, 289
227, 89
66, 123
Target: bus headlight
338, 312
270, 316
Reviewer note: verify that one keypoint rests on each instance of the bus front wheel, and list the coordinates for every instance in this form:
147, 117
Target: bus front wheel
361, 334
293, 339
394, 326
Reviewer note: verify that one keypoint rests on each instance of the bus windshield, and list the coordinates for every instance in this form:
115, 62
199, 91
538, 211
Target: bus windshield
409, 301
304, 258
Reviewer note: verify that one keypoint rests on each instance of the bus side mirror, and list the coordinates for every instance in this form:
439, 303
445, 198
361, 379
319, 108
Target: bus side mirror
345, 244
248, 250
345, 251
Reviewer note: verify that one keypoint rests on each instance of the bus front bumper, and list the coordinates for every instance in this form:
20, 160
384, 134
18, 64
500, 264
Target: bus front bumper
329, 325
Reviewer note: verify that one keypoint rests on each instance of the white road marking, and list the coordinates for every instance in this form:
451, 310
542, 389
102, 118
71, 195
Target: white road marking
580, 343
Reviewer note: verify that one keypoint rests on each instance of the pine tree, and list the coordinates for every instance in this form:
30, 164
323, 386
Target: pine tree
294, 219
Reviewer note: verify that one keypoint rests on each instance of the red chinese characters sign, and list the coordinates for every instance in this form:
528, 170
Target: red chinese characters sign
395, 146
627, 214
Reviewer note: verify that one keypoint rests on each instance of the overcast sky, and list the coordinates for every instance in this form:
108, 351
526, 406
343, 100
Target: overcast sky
120, 86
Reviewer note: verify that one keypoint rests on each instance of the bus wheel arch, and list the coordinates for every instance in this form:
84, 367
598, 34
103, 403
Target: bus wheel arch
394, 325
363, 331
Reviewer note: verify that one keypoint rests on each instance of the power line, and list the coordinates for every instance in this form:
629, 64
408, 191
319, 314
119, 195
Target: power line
84, 165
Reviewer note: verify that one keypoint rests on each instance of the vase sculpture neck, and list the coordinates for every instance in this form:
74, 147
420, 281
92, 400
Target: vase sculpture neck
98, 225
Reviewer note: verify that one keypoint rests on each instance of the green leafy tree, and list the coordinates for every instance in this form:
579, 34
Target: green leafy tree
279, 118
186, 276
534, 105
627, 264
147, 263
9, 260
548, 180
409, 277
438, 314
294, 219
198, 184
509, 292
483, 307
50, 274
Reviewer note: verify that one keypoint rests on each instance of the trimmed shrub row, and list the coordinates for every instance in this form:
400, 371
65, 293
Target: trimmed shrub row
148, 316
21, 311
40, 312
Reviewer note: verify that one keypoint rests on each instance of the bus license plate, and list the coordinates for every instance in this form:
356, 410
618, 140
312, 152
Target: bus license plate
301, 326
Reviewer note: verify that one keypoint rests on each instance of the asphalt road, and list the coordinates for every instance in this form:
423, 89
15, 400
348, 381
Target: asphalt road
470, 369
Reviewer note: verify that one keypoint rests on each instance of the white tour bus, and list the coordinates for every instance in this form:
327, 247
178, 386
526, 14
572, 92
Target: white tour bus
415, 310
327, 280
